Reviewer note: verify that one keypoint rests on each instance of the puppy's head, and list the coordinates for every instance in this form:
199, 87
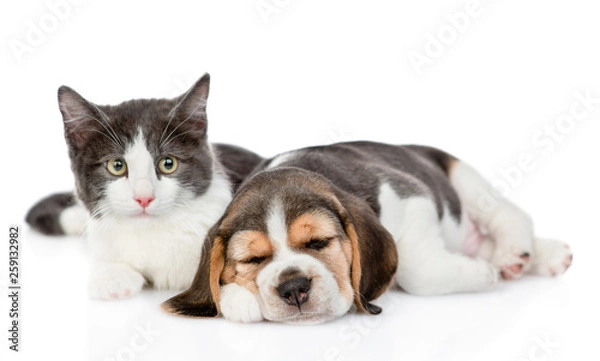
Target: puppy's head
306, 250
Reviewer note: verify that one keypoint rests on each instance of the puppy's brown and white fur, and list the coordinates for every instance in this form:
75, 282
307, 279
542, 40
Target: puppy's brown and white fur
318, 230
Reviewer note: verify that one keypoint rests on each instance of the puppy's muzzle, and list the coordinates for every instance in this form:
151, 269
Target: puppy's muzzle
294, 288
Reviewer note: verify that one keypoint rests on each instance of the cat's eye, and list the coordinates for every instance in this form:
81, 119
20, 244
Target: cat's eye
167, 165
116, 166
318, 244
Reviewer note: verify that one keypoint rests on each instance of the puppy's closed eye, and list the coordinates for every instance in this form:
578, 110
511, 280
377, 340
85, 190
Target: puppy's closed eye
318, 244
255, 260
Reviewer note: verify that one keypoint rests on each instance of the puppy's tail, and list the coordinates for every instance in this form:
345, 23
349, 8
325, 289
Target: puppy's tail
58, 214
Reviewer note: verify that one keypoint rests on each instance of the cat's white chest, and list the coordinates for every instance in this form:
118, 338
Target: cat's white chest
166, 250
164, 253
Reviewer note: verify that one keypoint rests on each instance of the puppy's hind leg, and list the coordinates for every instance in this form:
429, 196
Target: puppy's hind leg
425, 267
509, 226
550, 257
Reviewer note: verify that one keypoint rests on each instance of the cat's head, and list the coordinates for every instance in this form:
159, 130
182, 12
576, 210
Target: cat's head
139, 158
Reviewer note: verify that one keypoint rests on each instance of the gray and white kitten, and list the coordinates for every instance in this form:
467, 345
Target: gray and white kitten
149, 187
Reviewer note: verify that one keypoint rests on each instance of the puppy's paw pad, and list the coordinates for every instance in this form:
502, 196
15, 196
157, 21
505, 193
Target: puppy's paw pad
553, 258
512, 264
239, 304
114, 282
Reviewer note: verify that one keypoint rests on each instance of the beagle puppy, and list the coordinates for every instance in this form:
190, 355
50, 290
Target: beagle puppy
316, 232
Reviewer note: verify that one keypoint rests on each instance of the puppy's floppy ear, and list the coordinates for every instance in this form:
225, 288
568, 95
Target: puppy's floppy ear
374, 255
202, 298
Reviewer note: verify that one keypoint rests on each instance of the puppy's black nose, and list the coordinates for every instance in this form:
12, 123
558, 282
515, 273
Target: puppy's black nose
294, 292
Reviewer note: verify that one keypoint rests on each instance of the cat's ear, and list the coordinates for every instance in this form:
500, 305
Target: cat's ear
78, 115
191, 106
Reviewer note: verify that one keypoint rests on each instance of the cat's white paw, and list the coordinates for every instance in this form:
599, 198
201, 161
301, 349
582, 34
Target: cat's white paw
551, 257
114, 281
238, 304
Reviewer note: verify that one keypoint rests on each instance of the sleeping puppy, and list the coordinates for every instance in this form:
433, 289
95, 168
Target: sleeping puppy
319, 231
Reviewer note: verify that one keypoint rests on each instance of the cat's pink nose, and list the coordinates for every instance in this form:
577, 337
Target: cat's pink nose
144, 201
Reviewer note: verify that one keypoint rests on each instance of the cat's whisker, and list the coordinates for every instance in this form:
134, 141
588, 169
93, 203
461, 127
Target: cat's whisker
181, 218
171, 115
193, 184
166, 141
109, 136
101, 210
107, 125
106, 224
173, 112
106, 220
177, 136
179, 206
200, 104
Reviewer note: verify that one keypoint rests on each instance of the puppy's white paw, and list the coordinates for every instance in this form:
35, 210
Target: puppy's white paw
512, 263
114, 281
551, 257
488, 275
238, 304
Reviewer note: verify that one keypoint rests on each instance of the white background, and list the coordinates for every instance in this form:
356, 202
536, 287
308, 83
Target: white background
317, 72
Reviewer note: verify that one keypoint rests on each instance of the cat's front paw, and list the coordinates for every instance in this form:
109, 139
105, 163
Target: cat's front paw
239, 305
114, 281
